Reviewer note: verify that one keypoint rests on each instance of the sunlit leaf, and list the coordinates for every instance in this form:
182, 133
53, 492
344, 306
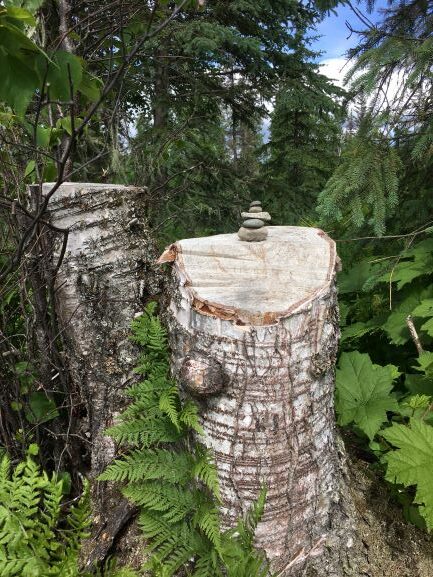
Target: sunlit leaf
363, 392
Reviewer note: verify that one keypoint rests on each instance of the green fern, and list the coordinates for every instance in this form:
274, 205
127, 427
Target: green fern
189, 417
176, 486
205, 471
148, 464
36, 538
169, 405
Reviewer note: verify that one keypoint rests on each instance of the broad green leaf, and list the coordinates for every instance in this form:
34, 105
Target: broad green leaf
43, 135
50, 171
31, 5
18, 13
424, 309
420, 263
412, 462
66, 124
21, 42
425, 362
66, 68
395, 326
41, 408
354, 279
363, 392
90, 86
356, 331
18, 81
428, 327
418, 384
415, 406
30, 167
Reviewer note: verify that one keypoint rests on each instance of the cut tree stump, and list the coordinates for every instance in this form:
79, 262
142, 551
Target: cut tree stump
254, 335
105, 279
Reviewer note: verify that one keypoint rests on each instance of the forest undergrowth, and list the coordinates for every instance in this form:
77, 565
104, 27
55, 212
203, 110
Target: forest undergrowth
175, 96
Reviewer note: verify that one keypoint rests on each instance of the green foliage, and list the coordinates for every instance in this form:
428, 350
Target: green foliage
305, 136
391, 405
363, 392
412, 462
41, 408
199, 141
412, 263
36, 537
26, 68
175, 486
363, 188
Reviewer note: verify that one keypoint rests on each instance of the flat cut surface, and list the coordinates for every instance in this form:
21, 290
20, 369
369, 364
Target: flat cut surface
255, 282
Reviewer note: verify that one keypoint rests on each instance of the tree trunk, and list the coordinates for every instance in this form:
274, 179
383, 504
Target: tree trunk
254, 331
105, 278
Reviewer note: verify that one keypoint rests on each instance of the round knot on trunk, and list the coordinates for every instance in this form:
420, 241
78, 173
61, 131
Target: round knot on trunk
202, 375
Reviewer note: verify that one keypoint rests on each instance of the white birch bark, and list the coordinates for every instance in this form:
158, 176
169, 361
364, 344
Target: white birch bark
254, 331
104, 280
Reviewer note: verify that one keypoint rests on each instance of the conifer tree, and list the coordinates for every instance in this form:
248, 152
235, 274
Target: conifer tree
202, 94
304, 141
392, 150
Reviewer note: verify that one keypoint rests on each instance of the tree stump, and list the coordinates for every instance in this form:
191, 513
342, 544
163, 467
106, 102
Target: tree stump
105, 279
254, 335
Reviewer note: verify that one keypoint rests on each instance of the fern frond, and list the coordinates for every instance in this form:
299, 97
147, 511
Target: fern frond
207, 565
154, 526
79, 519
208, 519
148, 464
179, 555
205, 470
33, 537
247, 526
145, 431
189, 417
172, 501
169, 405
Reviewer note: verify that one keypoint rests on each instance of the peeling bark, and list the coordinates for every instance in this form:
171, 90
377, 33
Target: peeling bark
105, 279
254, 334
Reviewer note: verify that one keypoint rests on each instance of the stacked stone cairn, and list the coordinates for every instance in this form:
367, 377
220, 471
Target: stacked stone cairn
253, 228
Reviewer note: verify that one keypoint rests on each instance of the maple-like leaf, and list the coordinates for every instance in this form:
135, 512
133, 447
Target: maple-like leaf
405, 270
412, 462
425, 309
395, 325
363, 394
428, 327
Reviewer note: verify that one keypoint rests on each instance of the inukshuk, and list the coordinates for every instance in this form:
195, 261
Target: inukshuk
254, 333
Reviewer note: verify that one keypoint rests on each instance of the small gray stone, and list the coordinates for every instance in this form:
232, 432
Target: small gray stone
253, 223
255, 203
253, 234
256, 208
260, 215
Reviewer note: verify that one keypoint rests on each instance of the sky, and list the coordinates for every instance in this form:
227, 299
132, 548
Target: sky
335, 38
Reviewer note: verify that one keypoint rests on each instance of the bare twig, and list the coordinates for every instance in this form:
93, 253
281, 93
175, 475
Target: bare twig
414, 334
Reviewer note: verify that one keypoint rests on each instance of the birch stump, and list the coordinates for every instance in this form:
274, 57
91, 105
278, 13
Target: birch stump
104, 280
254, 334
